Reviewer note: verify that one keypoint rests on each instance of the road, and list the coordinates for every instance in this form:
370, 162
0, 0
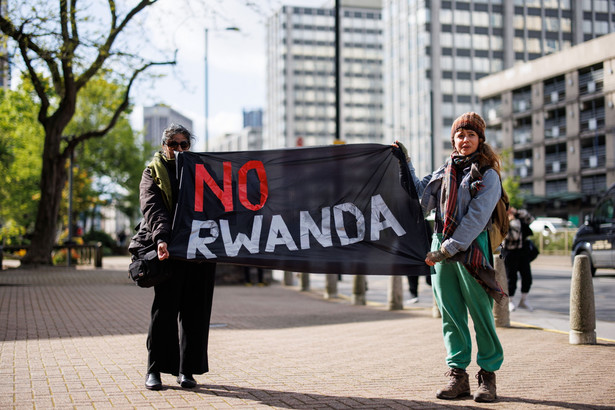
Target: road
549, 295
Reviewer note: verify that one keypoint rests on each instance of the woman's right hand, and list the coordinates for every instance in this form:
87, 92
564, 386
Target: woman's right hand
401, 152
163, 253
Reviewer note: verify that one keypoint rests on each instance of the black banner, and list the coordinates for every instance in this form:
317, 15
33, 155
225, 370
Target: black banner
334, 209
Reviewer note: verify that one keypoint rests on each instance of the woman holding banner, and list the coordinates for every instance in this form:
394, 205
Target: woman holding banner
186, 297
464, 192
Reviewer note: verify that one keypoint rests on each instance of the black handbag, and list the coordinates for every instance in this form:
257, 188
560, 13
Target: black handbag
532, 250
146, 270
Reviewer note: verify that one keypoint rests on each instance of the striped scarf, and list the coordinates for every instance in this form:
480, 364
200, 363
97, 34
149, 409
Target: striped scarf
473, 259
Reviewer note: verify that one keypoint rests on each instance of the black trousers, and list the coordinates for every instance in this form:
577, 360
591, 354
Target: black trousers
179, 327
518, 260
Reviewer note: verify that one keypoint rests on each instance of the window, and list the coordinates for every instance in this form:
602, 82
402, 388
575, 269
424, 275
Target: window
605, 211
523, 163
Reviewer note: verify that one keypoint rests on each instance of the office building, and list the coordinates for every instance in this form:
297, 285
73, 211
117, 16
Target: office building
436, 50
301, 104
253, 118
159, 117
5, 68
556, 118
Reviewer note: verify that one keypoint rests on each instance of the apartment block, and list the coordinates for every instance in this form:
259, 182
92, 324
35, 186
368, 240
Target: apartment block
556, 120
436, 50
301, 102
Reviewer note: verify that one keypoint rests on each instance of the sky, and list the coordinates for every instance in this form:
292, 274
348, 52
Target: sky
236, 60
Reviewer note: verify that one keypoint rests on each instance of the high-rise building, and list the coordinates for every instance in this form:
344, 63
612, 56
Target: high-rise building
436, 50
253, 118
301, 104
159, 117
556, 117
5, 69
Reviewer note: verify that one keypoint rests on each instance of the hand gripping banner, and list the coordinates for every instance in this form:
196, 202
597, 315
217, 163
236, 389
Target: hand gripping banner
334, 209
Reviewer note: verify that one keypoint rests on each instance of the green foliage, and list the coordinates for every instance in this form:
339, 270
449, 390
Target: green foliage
92, 237
21, 142
511, 183
114, 163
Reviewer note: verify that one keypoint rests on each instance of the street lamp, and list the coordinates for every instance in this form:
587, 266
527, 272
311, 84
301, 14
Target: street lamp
207, 85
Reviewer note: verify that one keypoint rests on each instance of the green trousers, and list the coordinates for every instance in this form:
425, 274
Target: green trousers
456, 292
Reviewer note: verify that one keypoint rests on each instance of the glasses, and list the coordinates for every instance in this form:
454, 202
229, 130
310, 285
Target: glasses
174, 144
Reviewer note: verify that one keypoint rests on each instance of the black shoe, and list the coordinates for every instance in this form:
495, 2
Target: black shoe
152, 381
186, 381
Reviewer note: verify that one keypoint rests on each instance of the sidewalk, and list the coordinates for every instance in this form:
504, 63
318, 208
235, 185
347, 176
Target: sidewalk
76, 339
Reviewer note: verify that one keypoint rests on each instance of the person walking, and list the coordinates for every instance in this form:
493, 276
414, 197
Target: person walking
515, 251
464, 192
178, 333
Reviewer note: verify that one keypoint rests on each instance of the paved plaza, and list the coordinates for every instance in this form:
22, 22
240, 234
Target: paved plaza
75, 338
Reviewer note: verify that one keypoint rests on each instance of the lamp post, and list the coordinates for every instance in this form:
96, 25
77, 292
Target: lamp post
207, 84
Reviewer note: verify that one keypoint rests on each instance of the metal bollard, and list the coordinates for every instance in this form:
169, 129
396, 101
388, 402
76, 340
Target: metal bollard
331, 286
305, 281
395, 294
582, 305
99, 255
358, 290
501, 314
288, 278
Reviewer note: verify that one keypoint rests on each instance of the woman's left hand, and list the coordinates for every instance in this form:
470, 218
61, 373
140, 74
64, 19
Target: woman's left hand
163, 253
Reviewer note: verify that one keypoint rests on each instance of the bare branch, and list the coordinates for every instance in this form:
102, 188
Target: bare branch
74, 140
104, 50
25, 42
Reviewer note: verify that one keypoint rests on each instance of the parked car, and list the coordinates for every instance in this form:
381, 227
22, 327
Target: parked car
548, 226
596, 238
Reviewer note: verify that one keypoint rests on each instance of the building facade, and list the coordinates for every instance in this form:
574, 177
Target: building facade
301, 104
436, 50
159, 117
556, 119
5, 68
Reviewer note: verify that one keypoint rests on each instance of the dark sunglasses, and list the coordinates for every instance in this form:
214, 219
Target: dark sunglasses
173, 144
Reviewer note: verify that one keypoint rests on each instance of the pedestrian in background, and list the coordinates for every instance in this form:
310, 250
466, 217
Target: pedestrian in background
179, 328
464, 192
516, 254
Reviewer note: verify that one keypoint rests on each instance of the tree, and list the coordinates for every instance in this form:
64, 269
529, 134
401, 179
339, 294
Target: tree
21, 141
66, 48
511, 183
113, 165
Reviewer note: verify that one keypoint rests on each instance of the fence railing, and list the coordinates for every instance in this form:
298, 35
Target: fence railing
555, 243
69, 254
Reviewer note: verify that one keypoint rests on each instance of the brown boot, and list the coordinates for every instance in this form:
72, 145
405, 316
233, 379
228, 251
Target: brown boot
458, 385
486, 387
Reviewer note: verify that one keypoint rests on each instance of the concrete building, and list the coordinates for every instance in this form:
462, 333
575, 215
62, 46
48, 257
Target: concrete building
159, 117
301, 108
436, 51
5, 68
556, 119
253, 118
250, 138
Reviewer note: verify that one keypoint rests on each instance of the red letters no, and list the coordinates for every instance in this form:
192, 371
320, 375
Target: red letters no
243, 184
224, 194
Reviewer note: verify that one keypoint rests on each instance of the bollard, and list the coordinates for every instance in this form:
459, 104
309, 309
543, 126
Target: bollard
358, 290
501, 313
288, 278
99, 255
1, 257
395, 293
305, 281
582, 307
331, 286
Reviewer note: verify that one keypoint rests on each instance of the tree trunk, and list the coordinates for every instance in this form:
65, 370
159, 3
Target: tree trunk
53, 179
